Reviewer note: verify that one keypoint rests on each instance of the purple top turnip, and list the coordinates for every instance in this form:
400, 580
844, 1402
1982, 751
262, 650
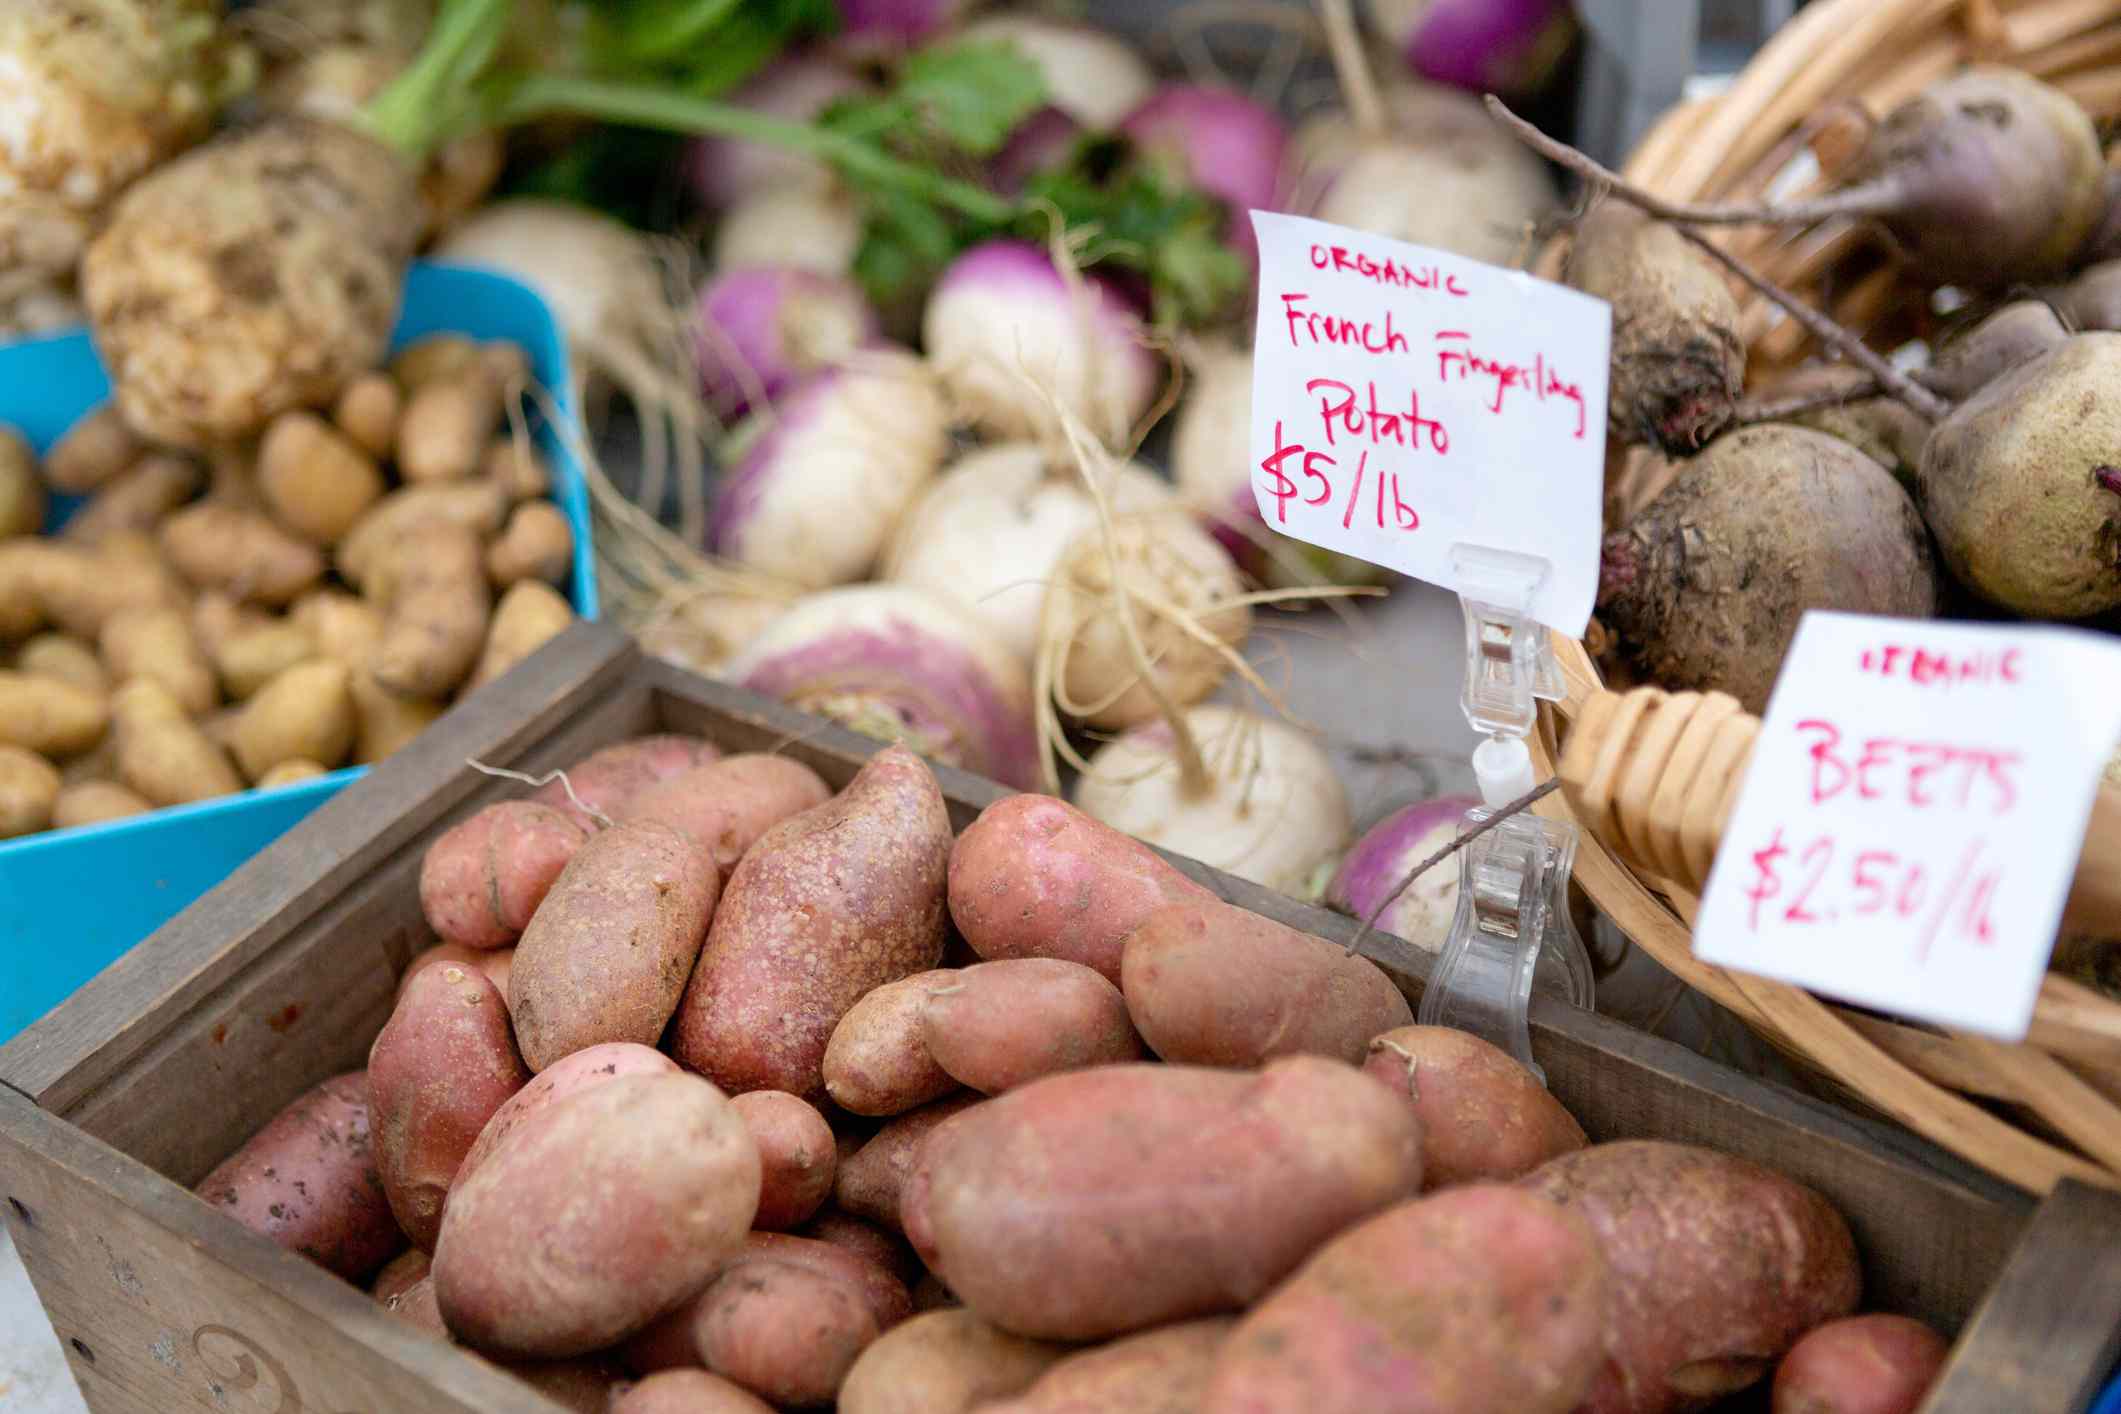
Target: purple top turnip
900, 664
1486, 46
1040, 142
879, 28
722, 171
1381, 858
1001, 311
815, 498
1228, 145
764, 326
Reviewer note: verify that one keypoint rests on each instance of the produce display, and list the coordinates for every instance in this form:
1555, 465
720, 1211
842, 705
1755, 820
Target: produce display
266, 612
856, 1120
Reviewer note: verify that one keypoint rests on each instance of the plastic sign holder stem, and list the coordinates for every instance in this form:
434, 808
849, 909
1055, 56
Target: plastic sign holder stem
1512, 927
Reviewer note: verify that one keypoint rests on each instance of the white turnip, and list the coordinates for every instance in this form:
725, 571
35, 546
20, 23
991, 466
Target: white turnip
764, 326
1272, 809
1423, 911
1211, 460
1705, 587
817, 496
1003, 313
990, 530
806, 225
900, 664
1439, 174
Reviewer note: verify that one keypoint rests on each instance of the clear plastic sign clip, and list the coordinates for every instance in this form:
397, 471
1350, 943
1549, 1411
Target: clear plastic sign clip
1512, 931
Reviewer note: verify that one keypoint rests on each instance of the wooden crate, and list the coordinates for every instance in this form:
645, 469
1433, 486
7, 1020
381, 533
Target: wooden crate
131, 1091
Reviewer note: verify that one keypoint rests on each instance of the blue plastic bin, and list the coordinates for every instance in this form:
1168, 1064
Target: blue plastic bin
72, 900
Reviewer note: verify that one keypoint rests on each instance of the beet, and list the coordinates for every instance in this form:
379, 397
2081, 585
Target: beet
1705, 588
1678, 362
2013, 336
1883, 428
2022, 483
2093, 299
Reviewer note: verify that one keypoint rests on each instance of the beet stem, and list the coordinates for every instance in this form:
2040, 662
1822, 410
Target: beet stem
1873, 198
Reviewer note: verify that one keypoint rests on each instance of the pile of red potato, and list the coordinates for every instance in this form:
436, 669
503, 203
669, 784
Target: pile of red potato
718, 1078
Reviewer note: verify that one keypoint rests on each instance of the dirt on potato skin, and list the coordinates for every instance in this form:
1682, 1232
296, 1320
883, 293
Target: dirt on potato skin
1705, 588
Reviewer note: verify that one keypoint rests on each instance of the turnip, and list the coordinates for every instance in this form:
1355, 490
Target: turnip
1003, 310
612, 297
1041, 142
1272, 809
871, 29
1705, 587
1487, 46
2021, 487
991, 529
900, 664
1985, 179
1678, 360
1228, 145
1094, 78
807, 225
1430, 169
1147, 609
817, 496
1423, 911
764, 326
1211, 460
93, 93
723, 171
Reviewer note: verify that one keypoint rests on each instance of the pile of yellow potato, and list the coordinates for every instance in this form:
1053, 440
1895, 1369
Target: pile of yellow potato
264, 613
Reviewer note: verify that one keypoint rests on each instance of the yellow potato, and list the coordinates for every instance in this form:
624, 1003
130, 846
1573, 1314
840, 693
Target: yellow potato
21, 493
77, 588
93, 802
234, 479
49, 716
537, 543
253, 657
93, 451
241, 552
29, 786
315, 481
345, 629
288, 772
136, 499
436, 356
530, 614
306, 713
216, 618
517, 468
367, 411
61, 656
158, 643
447, 422
477, 505
163, 754
435, 608
384, 721
21, 607
98, 763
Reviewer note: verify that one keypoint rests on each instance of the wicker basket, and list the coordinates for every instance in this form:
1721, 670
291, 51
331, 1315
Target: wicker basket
2030, 1113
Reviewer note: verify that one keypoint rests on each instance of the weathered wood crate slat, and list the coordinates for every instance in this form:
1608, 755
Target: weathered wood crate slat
132, 1090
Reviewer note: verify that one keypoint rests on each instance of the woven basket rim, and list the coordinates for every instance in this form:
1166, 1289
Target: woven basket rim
1880, 51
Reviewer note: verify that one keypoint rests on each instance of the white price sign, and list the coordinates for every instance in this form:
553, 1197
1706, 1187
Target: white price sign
1407, 400
1912, 815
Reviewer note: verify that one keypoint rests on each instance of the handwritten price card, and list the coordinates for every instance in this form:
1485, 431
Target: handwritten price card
1912, 815
1406, 400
